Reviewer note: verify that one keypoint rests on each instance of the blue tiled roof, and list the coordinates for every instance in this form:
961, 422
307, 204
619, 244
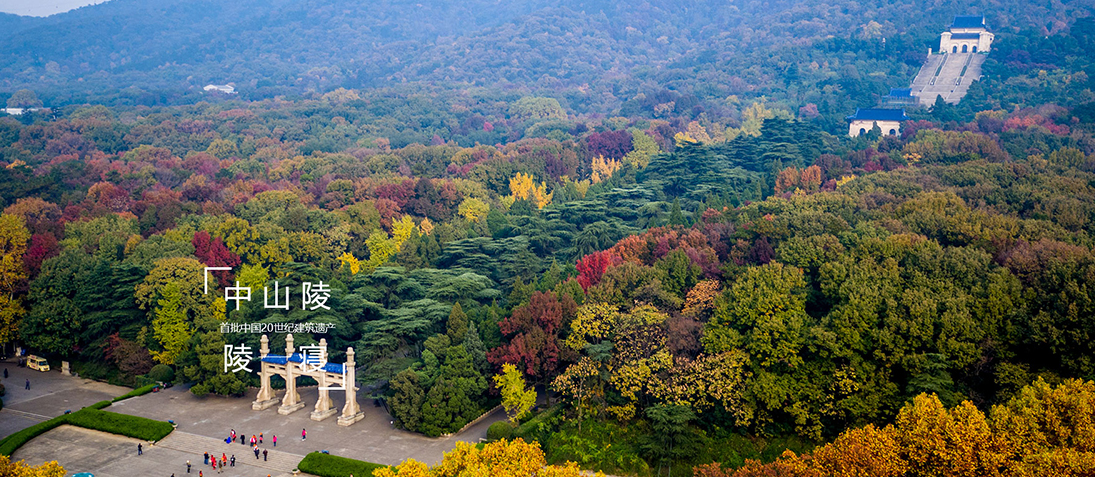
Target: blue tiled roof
900, 92
969, 21
965, 36
872, 114
298, 358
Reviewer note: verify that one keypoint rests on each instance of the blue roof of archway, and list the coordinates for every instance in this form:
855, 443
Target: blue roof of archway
299, 358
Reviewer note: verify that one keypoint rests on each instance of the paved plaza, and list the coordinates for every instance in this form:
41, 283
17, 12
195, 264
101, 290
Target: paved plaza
373, 439
202, 426
50, 395
109, 455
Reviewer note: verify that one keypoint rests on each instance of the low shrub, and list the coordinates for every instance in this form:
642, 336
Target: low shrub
499, 430
136, 392
92, 417
121, 424
162, 373
9, 444
141, 381
326, 465
537, 427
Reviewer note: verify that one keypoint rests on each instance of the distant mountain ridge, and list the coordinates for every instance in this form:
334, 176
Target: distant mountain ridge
297, 45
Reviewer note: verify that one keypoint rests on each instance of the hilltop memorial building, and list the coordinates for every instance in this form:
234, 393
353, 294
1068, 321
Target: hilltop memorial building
966, 35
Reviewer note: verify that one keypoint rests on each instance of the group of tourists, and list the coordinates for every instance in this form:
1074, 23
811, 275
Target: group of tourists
226, 461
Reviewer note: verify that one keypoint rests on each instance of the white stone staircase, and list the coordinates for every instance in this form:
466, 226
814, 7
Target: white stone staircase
955, 73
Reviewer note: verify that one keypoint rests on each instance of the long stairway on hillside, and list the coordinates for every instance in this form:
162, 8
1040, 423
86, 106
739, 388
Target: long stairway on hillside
948, 75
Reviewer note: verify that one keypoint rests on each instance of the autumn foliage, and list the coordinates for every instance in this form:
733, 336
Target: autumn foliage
21, 469
1044, 430
502, 458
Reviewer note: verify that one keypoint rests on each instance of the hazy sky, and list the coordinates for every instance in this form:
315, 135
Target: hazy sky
42, 8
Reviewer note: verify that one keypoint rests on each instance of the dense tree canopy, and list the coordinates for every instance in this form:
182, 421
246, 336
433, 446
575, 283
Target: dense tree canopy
703, 271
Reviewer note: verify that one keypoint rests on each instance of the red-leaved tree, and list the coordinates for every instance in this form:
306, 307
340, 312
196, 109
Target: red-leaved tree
591, 267
536, 345
213, 253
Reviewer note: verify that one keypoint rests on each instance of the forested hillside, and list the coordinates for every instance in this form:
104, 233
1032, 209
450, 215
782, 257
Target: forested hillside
649, 213
657, 59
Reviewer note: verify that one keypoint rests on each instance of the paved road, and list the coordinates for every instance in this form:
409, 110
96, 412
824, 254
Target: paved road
109, 455
50, 395
373, 439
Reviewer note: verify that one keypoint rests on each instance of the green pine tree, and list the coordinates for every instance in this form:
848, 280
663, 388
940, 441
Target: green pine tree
457, 326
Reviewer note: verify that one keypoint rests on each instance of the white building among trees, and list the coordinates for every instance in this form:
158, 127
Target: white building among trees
967, 34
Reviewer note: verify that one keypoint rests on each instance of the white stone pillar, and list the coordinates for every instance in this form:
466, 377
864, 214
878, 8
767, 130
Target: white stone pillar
291, 402
266, 397
323, 408
351, 412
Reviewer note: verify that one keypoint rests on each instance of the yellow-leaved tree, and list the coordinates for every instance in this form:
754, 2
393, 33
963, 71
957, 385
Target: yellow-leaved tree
522, 186
516, 398
171, 325
501, 458
752, 118
382, 247
643, 148
603, 168
174, 294
425, 226
348, 260
473, 209
1044, 430
13, 244
21, 469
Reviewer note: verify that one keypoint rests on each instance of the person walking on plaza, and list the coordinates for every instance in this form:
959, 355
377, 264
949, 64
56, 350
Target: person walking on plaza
28, 385
233, 461
260, 438
224, 462
275, 440
264, 455
233, 434
214, 463
254, 440
224, 458
5, 373
256, 452
140, 449
188, 466
304, 434
206, 461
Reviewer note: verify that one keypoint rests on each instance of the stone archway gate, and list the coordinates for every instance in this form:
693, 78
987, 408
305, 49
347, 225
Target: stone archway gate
330, 376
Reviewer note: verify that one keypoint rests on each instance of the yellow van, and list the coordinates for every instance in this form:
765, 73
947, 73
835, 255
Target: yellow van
34, 362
